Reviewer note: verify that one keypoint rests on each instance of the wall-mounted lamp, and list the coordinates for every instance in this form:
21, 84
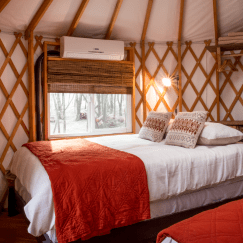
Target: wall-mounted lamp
169, 80
166, 82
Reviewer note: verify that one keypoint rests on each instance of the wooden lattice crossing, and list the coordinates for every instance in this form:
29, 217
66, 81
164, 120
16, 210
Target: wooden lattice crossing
225, 78
9, 96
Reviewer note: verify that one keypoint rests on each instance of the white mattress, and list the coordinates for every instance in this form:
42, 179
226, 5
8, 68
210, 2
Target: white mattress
171, 171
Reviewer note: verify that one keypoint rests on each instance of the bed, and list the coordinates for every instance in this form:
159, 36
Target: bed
222, 224
179, 179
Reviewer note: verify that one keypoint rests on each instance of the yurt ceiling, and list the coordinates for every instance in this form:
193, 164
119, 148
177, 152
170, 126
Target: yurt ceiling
163, 23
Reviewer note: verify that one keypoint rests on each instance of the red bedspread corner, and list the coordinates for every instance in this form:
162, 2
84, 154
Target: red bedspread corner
223, 224
95, 188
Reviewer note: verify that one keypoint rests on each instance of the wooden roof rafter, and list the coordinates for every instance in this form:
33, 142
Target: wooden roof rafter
215, 21
38, 16
3, 4
77, 17
143, 59
146, 21
181, 20
113, 19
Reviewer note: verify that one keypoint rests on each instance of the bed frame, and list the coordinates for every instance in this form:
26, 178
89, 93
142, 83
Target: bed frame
142, 232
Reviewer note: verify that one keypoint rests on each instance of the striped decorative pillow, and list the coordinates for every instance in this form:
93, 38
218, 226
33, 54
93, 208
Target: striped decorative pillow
186, 129
155, 126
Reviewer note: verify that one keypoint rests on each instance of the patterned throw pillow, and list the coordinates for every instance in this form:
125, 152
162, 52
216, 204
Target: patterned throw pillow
186, 129
155, 126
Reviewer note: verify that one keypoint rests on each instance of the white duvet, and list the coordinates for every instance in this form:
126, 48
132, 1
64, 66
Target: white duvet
171, 171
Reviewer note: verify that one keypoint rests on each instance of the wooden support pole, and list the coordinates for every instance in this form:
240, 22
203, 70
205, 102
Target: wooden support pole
179, 54
77, 17
3, 4
144, 80
113, 19
180, 81
45, 92
38, 16
218, 65
31, 78
132, 58
218, 59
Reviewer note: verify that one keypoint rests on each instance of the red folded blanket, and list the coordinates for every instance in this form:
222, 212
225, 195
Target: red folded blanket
95, 188
220, 225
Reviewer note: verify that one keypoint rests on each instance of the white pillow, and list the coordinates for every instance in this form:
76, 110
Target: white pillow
218, 134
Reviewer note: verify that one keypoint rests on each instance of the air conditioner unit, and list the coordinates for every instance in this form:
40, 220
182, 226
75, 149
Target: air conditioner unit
85, 48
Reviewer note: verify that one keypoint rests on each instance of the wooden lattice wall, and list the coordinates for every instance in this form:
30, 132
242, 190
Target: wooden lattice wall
198, 82
14, 123
198, 86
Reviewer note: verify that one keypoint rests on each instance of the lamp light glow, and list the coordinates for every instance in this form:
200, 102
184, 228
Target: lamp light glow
166, 82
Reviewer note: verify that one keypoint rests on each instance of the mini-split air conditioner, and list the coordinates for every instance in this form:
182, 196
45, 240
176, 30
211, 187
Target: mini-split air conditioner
85, 48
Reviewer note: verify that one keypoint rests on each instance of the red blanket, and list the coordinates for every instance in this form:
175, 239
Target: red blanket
220, 225
95, 188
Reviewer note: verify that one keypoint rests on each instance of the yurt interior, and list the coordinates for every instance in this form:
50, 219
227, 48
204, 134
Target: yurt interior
120, 119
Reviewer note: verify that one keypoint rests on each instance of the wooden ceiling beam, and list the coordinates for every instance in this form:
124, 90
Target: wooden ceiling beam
77, 17
215, 21
3, 4
113, 19
145, 26
181, 20
38, 16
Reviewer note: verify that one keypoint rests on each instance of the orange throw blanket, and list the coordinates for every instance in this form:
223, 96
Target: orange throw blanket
220, 225
95, 188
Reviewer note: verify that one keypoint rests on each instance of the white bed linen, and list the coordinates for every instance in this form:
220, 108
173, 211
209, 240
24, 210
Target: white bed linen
170, 170
169, 240
199, 198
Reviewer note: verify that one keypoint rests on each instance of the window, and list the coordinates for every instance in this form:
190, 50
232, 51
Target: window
79, 114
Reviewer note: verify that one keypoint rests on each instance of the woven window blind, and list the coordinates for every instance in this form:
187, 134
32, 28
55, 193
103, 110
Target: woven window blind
86, 76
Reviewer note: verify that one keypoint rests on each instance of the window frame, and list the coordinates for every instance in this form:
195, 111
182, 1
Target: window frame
92, 131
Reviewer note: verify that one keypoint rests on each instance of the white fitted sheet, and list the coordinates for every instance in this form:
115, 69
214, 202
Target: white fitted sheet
171, 171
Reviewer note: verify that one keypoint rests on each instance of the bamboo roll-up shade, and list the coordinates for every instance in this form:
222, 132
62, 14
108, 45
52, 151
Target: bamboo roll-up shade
88, 76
